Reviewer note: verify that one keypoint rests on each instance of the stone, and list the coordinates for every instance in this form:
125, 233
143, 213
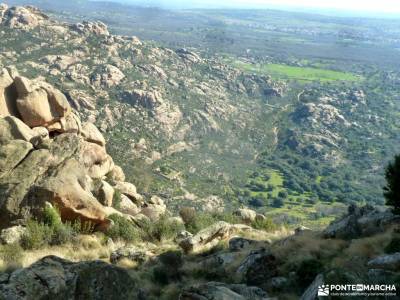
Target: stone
129, 190
126, 206
64, 191
12, 235
8, 95
116, 174
246, 215
386, 262
106, 194
361, 222
258, 267
92, 134
97, 28
132, 253
239, 243
12, 128
12, 153
39, 104
301, 230
211, 236
57, 278
154, 208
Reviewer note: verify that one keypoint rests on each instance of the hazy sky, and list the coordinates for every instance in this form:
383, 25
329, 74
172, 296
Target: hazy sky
376, 6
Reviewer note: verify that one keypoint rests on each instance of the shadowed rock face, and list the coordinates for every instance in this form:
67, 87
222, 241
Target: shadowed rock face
53, 277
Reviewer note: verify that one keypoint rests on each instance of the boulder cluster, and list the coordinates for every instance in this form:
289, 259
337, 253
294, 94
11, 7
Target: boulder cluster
49, 156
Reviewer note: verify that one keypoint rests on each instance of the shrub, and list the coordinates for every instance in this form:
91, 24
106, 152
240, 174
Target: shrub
392, 188
201, 221
117, 199
172, 261
264, 224
51, 217
188, 214
393, 246
308, 270
277, 202
37, 235
122, 229
161, 275
227, 217
64, 234
283, 194
162, 229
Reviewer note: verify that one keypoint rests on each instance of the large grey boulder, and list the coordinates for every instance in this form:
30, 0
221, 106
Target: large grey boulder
56, 278
387, 262
258, 267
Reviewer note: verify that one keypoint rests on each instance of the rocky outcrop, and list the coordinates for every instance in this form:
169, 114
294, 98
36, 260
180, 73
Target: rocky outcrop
54, 277
258, 267
109, 76
317, 114
188, 56
386, 262
25, 18
97, 28
131, 253
361, 222
211, 236
67, 170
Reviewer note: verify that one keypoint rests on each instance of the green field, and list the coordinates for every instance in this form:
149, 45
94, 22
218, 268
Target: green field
280, 71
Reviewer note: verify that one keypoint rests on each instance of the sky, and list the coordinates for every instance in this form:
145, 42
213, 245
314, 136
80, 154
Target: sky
371, 6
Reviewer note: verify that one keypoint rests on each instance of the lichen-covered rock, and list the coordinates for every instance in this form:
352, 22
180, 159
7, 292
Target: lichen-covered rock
12, 235
57, 278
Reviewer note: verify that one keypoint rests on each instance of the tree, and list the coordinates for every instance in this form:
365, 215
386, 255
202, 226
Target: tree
392, 188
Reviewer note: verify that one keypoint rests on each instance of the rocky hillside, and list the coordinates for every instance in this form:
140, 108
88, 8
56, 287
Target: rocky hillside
169, 116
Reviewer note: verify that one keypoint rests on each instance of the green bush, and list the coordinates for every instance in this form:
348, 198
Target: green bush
392, 188
161, 275
308, 270
122, 229
51, 217
201, 221
264, 224
37, 235
162, 229
393, 246
227, 217
117, 199
64, 234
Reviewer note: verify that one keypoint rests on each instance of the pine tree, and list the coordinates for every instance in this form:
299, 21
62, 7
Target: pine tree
392, 188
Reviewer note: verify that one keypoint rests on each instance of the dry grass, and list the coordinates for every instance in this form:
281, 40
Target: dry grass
88, 247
